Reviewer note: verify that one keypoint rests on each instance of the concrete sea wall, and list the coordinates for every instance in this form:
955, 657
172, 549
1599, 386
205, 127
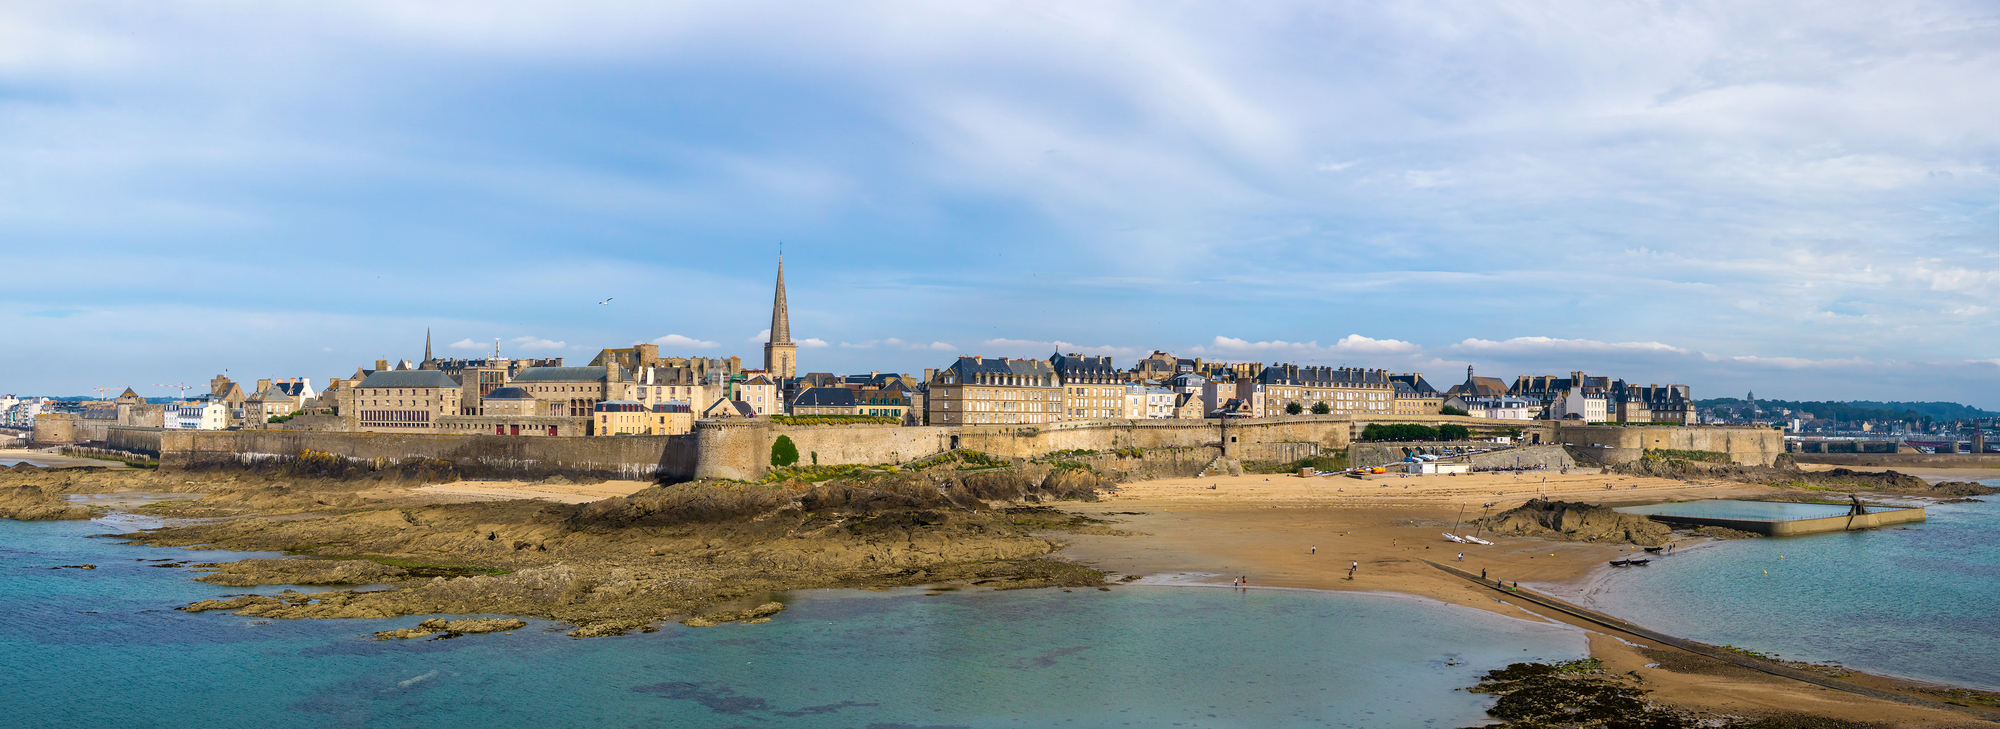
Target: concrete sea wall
1799, 527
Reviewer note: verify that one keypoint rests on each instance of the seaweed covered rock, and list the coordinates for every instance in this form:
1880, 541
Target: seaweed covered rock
1577, 522
31, 503
1574, 694
253, 572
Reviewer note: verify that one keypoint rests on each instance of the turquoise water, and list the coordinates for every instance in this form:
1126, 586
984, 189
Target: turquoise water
105, 648
1751, 510
1919, 601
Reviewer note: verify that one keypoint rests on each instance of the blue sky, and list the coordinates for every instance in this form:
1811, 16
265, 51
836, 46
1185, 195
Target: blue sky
1796, 198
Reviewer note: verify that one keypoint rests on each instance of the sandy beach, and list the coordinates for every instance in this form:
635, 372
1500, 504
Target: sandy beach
1293, 532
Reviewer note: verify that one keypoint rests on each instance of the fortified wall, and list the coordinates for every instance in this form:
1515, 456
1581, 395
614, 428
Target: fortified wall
1612, 444
478, 456
741, 449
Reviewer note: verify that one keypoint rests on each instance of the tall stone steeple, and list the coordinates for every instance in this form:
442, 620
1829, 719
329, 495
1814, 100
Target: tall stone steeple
427, 344
780, 354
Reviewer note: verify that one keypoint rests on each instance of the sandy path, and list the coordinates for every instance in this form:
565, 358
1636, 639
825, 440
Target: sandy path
1268, 530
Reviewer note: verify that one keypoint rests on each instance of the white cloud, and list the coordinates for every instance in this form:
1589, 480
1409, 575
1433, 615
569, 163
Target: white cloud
1550, 344
469, 344
1335, 166
810, 342
533, 343
760, 337
1994, 362
1225, 345
870, 344
680, 342
1361, 344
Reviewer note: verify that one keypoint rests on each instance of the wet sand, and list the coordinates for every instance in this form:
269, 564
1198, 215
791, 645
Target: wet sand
1933, 475
56, 460
1266, 528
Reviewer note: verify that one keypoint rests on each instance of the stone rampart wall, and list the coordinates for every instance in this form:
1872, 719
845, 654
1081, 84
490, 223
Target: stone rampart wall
628, 457
1620, 444
134, 439
1903, 460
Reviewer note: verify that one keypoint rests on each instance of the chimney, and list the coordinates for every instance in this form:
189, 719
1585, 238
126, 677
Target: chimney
978, 359
929, 374
263, 385
381, 364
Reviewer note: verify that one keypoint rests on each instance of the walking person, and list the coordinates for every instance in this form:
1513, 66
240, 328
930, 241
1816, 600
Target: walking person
1482, 574
1461, 556
1314, 550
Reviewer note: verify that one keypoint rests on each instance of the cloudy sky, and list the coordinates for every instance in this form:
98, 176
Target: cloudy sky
1800, 199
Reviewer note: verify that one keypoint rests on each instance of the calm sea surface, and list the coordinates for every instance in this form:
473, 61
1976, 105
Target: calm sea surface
1920, 601
105, 648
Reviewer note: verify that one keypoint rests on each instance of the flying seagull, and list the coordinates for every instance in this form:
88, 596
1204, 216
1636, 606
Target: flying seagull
606, 302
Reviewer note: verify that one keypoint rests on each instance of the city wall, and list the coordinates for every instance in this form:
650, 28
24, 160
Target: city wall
741, 449
478, 456
1612, 445
1902, 460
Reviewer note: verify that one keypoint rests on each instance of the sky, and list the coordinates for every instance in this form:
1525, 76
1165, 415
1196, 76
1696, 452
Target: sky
1799, 199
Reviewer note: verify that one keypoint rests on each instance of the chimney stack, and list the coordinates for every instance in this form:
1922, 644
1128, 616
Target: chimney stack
381, 364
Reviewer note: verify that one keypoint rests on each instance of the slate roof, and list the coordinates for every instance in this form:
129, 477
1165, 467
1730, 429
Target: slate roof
968, 367
409, 378
1079, 368
1296, 375
825, 397
563, 374
509, 393
1415, 383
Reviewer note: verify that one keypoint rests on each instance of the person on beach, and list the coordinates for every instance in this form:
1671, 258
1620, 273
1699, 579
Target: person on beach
1482, 574
1313, 550
1461, 556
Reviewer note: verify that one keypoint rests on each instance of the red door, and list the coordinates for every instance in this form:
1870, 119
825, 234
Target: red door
517, 430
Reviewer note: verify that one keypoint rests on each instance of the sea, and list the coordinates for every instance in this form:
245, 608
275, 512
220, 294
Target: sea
1918, 601
105, 647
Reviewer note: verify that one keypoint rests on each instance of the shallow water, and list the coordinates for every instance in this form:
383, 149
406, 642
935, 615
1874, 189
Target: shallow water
1919, 601
1749, 510
1135, 656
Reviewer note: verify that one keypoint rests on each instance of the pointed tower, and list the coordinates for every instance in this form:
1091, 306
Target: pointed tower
427, 345
780, 354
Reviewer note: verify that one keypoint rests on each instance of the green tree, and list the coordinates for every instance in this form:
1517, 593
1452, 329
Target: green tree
1294, 408
1403, 431
1321, 408
783, 452
1454, 431
1449, 410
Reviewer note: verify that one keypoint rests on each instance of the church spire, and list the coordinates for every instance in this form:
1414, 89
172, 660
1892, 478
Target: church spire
781, 317
427, 344
780, 354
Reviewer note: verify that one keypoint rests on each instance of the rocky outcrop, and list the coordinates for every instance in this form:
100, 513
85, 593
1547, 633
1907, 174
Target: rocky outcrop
760, 614
31, 503
1577, 522
253, 572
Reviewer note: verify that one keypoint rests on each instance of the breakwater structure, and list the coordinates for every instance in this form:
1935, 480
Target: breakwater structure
1776, 518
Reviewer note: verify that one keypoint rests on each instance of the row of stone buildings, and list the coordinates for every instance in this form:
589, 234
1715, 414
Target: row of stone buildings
636, 391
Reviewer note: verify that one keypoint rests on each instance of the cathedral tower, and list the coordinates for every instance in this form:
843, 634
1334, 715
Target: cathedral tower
781, 356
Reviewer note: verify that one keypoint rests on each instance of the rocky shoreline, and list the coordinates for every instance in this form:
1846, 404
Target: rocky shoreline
700, 553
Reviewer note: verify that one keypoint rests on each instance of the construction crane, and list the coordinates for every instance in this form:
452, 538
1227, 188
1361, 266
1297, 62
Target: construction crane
183, 387
102, 390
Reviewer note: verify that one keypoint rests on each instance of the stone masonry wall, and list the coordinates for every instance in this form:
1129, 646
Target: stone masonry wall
627, 457
1745, 445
